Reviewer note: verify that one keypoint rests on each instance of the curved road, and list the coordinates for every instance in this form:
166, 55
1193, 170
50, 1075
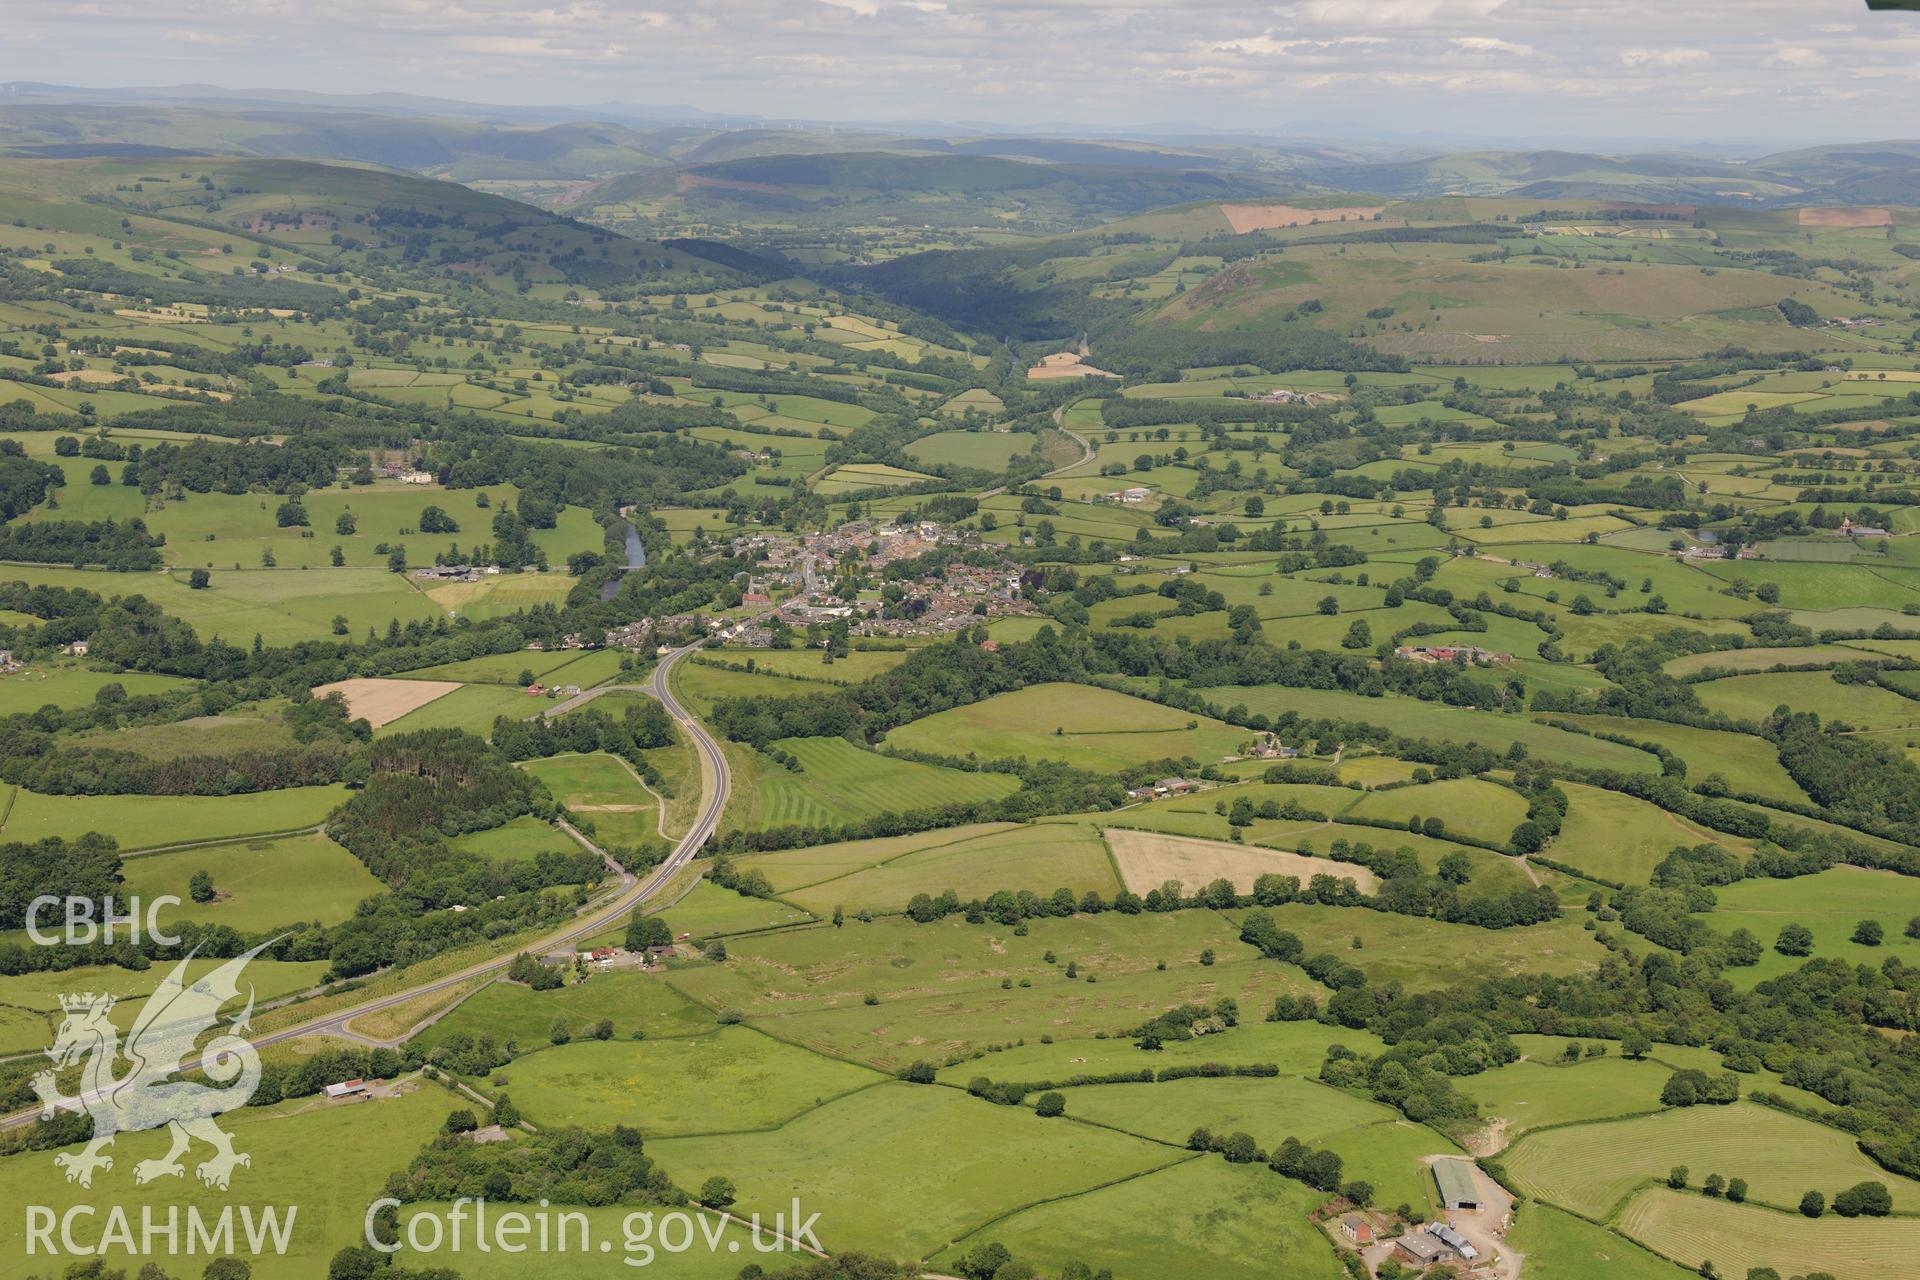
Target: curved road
1087, 453
597, 920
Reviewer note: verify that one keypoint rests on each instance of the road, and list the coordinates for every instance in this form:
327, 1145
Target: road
1087, 454
611, 913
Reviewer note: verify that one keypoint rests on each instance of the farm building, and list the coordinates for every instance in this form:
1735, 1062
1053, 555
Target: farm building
345, 1089
1448, 652
1445, 1234
1419, 1249
1356, 1228
1458, 1189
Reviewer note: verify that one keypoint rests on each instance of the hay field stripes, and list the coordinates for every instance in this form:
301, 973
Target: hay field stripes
1146, 859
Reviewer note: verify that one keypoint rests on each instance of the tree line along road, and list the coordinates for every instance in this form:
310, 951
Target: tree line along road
597, 920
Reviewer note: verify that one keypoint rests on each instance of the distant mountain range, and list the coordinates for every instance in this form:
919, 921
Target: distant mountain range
607, 143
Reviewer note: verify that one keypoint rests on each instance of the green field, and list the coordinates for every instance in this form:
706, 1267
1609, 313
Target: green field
1088, 728
281, 607
1200, 1217
636, 1002
1534, 1094
1040, 858
331, 1194
520, 840
838, 783
472, 707
1861, 705
1559, 1246
1749, 764
139, 822
877, 1193
1474, 808
1831, 904
1693, 1229
728, 1080
260, 884
67, 684
1416, 719
1591, 1168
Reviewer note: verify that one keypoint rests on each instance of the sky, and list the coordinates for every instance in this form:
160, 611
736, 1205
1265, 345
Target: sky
1685, 70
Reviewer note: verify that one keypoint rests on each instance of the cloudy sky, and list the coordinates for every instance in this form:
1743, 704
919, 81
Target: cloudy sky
1746, 70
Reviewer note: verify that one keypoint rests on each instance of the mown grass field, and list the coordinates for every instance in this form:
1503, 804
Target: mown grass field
878, 1193
472, 707
1591, 1168
1086, 727
796, 868
1693, 1229
1559, 1246
838, 783
1041, 858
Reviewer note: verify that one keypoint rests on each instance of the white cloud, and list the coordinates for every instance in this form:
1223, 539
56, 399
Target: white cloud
1796, 56
1492, 44
1666, 57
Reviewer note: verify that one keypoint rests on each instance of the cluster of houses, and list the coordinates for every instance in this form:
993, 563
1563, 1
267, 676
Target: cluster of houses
1472, 654
538, 690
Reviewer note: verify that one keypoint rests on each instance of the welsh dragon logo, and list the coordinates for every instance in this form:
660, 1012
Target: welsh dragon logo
144, 1096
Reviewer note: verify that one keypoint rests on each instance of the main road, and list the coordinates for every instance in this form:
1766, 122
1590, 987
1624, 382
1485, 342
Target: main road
596, 920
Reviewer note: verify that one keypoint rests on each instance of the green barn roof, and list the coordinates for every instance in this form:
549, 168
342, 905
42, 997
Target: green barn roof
1455, 1180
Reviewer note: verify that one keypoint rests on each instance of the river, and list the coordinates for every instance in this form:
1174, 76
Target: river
636, 559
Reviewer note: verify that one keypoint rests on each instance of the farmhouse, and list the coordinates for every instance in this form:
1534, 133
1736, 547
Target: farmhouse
1356, 1228
1268, 747
1455, 1179
1448, 652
